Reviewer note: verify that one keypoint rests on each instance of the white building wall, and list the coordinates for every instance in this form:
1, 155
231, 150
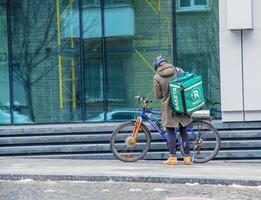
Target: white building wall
240, 60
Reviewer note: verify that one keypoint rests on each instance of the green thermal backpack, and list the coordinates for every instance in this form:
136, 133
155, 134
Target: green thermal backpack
186, 93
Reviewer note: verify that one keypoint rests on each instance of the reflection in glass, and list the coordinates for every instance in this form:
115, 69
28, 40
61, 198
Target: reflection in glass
136, 32
45, 60
45, 38
198, 49
185, 3
93, 61
201, 2
5, 117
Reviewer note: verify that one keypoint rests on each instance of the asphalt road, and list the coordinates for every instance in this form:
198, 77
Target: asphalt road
78, 190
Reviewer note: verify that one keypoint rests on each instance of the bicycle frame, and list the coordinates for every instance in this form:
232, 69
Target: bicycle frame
162, 132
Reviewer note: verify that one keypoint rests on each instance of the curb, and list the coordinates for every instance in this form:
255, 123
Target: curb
150, 179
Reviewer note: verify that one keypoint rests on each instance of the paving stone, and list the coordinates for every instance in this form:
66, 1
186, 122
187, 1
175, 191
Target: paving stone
75, 190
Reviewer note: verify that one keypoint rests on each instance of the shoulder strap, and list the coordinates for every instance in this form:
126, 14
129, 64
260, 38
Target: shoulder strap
179, 71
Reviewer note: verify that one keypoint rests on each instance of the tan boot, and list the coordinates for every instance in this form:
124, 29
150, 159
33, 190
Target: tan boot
172, 160
187, 160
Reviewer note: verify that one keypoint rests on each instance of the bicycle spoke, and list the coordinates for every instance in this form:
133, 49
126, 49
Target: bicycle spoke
204, 141
123, 146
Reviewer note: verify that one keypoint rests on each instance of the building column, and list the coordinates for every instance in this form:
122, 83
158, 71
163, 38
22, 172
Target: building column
240, 63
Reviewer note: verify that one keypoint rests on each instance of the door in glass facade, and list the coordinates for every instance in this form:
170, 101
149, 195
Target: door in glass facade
5, 117
45, 60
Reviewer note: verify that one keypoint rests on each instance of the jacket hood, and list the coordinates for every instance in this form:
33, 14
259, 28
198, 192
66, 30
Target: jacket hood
166, 70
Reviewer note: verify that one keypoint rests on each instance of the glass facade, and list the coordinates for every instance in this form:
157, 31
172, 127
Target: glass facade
129, 54
118, 65
193, 5
85, 60
45, 60
5, 116
94, 68
197, 45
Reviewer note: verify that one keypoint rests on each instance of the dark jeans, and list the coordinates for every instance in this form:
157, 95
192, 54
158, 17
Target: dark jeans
172, 140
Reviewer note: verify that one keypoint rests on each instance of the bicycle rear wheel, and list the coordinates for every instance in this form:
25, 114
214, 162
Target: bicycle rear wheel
204, 141
122, 147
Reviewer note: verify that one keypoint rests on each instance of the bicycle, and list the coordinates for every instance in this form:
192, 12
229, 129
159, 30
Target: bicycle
131, 140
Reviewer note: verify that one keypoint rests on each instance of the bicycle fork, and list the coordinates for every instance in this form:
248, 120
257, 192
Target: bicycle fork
135, 130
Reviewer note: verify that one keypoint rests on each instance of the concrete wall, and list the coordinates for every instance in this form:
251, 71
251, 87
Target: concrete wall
240, 65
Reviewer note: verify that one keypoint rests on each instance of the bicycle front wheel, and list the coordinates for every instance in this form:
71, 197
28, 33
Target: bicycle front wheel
204, 141
125, 150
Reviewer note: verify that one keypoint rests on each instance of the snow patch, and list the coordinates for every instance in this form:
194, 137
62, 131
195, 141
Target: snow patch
159, 189
245, 187
191, 184
84, 182
135, 190
49, 191
25, 180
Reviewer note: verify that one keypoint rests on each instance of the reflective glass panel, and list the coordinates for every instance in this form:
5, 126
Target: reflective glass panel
93, 61
198, 50
185, 3
136, 32
5, 117
200, 2
45, 61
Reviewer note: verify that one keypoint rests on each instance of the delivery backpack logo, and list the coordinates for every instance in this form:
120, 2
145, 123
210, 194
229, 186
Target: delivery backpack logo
176, 98
195, 94
186, 93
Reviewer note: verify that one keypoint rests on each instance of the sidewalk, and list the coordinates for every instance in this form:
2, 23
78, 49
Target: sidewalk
213, 172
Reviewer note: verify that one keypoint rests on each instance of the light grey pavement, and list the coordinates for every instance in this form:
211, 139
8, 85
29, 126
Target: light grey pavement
213, 172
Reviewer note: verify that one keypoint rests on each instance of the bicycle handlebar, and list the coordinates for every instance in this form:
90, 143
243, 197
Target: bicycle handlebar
142, 99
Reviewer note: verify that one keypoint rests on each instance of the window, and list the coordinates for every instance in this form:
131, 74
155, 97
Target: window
109, 2
118, 2
192, 5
